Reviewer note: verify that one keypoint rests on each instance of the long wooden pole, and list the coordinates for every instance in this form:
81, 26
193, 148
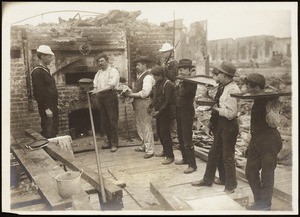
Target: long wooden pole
96, 150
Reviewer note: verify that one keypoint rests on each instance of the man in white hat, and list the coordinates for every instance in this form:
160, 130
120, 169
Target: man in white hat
45, 92
171, 72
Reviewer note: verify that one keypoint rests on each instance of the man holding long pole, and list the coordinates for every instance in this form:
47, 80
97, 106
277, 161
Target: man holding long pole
105, 83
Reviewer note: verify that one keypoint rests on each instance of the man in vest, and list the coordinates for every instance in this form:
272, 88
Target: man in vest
141, 102
45, 92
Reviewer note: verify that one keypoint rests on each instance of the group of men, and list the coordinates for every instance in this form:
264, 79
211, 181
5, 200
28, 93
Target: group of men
158, 94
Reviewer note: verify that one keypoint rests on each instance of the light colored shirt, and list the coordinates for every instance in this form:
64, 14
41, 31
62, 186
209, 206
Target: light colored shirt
148, 83
106, 79
228, 104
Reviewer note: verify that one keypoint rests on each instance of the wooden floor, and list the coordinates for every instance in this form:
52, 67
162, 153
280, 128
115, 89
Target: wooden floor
130, 167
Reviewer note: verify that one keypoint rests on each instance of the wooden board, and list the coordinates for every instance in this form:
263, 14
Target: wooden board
41, 168
260, 95
277, 192
112, 191
200, 79
166, 198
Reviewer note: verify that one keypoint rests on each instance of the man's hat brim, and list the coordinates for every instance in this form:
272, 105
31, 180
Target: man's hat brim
184, 66
142, 60
225, 72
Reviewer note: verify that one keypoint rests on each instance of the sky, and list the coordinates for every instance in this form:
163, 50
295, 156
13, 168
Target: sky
224, 19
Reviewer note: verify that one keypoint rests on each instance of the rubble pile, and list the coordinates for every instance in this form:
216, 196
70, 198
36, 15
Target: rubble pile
201, 137
117, 18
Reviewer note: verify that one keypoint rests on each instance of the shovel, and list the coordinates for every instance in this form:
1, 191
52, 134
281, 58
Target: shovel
87, 84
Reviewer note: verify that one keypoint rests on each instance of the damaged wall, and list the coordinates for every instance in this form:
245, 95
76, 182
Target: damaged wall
64, 42
242, 51
117, 34
122, 44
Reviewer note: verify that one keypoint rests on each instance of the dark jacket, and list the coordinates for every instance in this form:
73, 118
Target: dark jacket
163, 96
44, 87
185, 93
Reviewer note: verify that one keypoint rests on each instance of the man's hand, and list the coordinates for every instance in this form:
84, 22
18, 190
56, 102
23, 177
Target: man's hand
149, 110
154, 114
215, 108
49, 113
94, 91
210, 127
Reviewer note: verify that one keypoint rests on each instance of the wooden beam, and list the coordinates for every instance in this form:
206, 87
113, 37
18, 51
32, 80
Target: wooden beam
167, 199
112, 191
242, 176
41, 168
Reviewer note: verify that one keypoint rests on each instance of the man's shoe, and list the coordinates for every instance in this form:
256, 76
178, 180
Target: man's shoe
113, 148
139, 150
218, 181
229, 191
167, 160
189, 170
180, 162
256, 206
146, 156
105, 146
201, 183
162, 154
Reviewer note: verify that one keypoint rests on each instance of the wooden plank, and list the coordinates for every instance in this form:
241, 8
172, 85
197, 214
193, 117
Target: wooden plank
41, 168
22, 201
112, 191
242, 176
260, 95
199, 79
81, 202
167, 198
214, 202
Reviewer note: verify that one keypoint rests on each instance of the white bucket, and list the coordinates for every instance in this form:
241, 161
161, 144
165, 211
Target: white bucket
68, 183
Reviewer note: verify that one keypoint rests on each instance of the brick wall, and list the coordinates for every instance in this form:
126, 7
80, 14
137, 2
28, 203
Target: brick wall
64, 42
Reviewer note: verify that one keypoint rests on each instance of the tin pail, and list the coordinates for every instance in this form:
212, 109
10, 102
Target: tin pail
68, 183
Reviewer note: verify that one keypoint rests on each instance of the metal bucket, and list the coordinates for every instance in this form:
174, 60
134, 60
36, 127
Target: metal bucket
68, 183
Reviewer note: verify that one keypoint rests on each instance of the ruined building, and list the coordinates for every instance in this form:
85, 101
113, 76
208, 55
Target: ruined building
263, 49
75, 44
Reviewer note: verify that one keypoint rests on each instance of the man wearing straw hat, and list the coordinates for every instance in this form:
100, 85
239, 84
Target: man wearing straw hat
45, 92
171, 72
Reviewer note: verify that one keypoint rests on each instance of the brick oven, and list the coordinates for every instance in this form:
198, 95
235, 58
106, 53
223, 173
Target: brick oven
121, 43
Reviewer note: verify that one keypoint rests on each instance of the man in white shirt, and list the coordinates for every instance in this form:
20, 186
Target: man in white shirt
141, 102
105, 83
226, 131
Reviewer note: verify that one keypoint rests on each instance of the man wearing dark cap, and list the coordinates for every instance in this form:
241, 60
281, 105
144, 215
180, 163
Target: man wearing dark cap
163, 100
264, 146
140, 93
185, 93
226, 133
45, 92
105, 83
